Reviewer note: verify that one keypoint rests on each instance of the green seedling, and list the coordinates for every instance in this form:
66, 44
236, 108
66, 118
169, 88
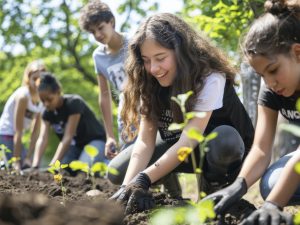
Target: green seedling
11, 162
3, 160
194, 213
98, 167
192, 134
56, 169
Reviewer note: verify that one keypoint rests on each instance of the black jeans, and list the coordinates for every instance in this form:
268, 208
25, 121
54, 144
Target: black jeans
222, 162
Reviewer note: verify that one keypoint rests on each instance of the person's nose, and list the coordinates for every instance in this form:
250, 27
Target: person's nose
154, 68
271, 83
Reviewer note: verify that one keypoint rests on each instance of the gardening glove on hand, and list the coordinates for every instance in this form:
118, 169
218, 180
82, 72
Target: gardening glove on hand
118, 193
268, 214
136, 196
226, 197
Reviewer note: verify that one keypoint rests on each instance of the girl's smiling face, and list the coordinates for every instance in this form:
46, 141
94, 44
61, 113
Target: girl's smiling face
281, 73
159, 62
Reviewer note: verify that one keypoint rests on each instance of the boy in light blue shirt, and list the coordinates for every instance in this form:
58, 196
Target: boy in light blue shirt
97, 18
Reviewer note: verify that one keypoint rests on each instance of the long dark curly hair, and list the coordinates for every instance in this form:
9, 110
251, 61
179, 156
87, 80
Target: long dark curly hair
196, 59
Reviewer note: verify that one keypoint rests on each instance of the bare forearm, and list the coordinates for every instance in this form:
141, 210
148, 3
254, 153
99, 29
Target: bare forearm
61, 150
165, 164
39, 151
254, 166
17, 145
106, 108
287, 184
33, 140
140, 158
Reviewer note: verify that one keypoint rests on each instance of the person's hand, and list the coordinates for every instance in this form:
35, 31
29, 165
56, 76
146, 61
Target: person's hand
16, 166
226, 197
135, 196
118, 193
26, 163
110, 148
268, 214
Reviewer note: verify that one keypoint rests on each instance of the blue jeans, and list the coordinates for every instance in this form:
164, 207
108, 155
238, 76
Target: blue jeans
271, 176
8, 141
76, 153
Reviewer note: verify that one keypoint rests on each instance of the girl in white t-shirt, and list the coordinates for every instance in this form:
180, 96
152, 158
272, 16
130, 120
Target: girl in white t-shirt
22, 111
166, 58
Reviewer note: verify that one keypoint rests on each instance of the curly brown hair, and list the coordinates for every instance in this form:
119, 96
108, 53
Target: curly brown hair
196, 59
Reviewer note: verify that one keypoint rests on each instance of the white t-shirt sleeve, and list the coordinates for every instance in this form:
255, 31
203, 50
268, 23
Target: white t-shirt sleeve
211, 96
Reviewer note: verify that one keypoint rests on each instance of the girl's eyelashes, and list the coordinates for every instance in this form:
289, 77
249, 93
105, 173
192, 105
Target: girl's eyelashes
273, 71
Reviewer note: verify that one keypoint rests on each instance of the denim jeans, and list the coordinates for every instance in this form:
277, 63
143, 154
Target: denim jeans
76, 153
271, 176
8, 141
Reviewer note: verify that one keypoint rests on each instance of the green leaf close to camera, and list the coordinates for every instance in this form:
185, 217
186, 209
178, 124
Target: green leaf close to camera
211, 136
79, 165
298, 105
297, 167
112, 171
176, 126
195, 134
191, 115
91, 151
294, 129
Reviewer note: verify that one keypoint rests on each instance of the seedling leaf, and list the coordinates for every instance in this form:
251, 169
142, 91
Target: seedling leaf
91, 150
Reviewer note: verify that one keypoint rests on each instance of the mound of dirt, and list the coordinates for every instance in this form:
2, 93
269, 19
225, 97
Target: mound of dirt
35, 198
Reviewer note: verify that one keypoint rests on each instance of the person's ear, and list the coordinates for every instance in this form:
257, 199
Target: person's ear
296, 51
113, 23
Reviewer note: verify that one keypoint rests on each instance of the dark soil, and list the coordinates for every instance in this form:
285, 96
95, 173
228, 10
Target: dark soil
35, 199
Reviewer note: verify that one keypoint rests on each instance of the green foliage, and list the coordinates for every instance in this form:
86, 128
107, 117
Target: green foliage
55, 169
98, 167
139, 7
194, 213
224, 21
3, 150
294, 129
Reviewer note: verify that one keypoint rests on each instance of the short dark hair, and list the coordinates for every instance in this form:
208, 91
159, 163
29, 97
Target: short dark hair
93, 13
49, 82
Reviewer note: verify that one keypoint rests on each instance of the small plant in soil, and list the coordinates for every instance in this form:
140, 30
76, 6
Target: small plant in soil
56, 169
3, 160
193, 213
91, 169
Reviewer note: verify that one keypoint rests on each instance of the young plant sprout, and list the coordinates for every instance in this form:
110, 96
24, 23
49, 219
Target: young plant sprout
12, 161
55, 169
194, 134
194, 213
3, 160
92, 168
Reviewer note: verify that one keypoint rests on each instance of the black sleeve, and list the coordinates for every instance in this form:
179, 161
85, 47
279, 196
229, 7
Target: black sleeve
75, 105
46, 116
268, 98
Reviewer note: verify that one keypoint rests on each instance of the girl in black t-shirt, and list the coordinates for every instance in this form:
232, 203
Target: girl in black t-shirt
73, 122
166, 58
272, 47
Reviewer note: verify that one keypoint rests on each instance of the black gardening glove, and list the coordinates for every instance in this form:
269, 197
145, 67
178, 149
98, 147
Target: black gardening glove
136, 196
226, 197
118, 193
268, 214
